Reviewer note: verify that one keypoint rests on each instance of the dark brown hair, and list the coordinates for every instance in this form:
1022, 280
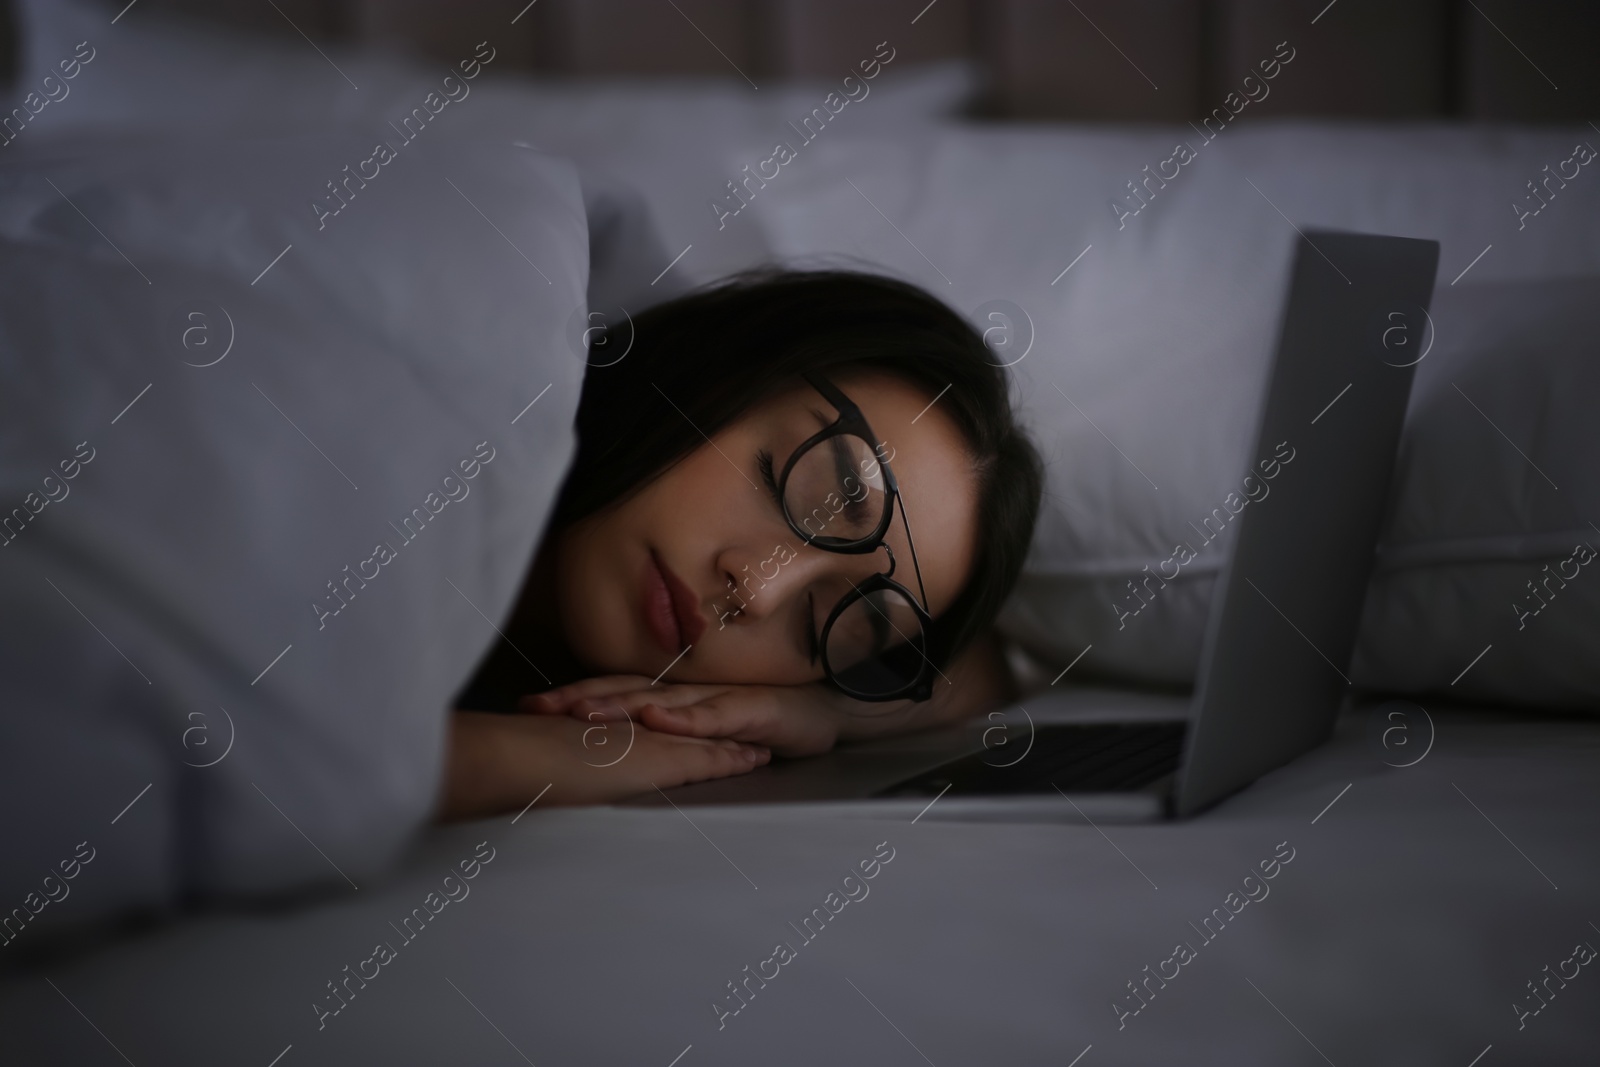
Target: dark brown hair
699, 361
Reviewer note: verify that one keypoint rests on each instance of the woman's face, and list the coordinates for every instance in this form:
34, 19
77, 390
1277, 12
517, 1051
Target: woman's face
705, 546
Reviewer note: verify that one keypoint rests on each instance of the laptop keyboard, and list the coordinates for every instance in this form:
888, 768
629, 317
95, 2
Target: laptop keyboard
1085, 758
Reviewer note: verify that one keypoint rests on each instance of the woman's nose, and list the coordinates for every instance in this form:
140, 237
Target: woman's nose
761, 585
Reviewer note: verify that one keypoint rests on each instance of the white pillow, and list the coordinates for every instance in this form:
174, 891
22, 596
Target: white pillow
154, 68
223, 468
1496, 488
165, 70
1148, 356
1493, 489
666, 138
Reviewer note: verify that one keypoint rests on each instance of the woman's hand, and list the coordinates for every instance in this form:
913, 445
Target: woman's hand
790, 720
499, 763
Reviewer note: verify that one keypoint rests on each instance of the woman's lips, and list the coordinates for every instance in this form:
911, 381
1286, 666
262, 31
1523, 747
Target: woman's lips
671, 609
685, 605
659, 616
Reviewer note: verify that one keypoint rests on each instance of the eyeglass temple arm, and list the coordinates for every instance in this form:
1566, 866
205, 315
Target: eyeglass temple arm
906, 525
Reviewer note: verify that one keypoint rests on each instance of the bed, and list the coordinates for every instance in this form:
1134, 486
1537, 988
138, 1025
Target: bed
1428, 867
1419, 919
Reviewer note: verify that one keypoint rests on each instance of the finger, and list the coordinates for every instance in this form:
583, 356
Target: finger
788, 729
727, 744
630, 704
740, 720
692, 759
541, 704
561, 698
602, 709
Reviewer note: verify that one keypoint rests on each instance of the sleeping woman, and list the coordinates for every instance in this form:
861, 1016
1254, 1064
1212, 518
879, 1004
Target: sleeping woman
795, 508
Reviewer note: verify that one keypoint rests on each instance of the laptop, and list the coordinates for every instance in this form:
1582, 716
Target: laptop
1274, 661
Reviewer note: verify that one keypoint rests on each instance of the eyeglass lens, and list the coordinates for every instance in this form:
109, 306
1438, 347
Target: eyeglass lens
836, 492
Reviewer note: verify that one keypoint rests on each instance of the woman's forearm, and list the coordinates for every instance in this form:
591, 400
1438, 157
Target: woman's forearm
789, 720
477, 759
503, 763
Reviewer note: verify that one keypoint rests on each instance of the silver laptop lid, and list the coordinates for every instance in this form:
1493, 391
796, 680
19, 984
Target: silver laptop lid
1274, 665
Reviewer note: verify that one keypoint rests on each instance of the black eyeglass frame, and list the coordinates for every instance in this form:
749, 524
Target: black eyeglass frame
852, 422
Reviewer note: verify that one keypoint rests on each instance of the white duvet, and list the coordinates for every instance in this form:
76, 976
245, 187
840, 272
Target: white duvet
267, 486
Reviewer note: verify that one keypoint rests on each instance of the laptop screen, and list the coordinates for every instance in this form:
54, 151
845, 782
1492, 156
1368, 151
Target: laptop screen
1274, 666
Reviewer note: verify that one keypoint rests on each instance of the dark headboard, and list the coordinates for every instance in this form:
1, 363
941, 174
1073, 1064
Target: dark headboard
1124, 60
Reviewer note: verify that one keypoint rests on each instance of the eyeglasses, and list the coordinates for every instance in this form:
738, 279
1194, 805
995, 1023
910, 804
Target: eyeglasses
838, 494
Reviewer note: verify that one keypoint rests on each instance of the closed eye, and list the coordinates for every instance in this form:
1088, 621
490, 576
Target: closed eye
809, 643
812, 645
764, 465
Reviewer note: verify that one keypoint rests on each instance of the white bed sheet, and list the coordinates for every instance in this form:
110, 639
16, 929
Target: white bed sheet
1401, 933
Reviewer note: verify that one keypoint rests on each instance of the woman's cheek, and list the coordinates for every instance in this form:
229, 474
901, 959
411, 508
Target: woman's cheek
594, 607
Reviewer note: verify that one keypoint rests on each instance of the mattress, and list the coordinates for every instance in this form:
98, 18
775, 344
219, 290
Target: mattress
1413, 892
